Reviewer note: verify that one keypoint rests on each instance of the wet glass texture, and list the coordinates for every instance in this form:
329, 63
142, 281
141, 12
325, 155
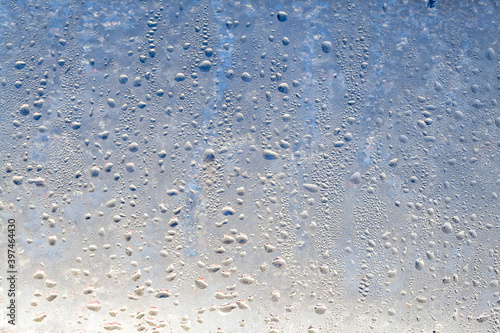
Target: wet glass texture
250, 166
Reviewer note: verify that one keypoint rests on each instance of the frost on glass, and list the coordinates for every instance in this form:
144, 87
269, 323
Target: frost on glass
254, 166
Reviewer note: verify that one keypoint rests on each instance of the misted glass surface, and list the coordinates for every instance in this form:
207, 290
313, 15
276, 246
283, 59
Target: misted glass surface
250, 166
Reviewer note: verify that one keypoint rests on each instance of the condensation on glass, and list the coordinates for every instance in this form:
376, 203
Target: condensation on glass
250, 166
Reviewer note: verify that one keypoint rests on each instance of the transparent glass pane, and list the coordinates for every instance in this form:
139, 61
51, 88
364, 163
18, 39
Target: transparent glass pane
249, 166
